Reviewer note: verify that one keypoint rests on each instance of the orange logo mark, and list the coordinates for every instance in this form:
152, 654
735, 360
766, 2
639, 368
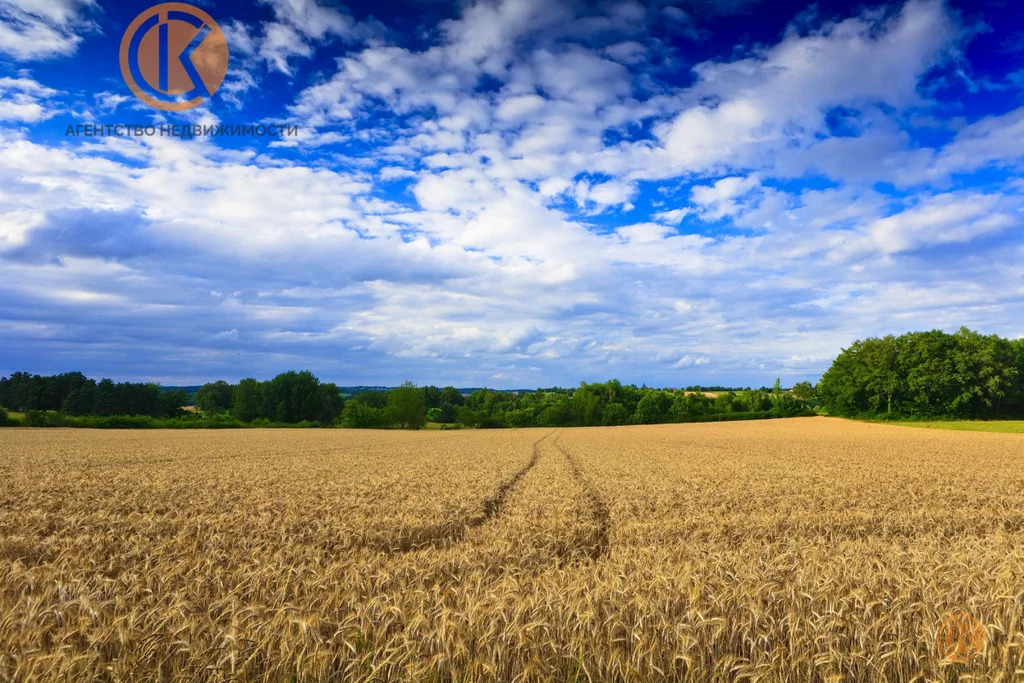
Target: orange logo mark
174, 55
961, 637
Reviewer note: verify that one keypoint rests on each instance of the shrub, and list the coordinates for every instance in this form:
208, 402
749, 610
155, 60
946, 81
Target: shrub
788, 406
35, 418
46, 418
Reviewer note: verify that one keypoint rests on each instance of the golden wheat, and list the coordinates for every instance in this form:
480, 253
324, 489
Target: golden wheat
810, 549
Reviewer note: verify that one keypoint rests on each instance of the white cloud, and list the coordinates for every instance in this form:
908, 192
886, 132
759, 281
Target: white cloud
627, 52
298, 26
945, 219
992, 141
718, 201
311, 18
611, 193
780, 95
25, 100
281, 42
42, 29
395, 173
506, 257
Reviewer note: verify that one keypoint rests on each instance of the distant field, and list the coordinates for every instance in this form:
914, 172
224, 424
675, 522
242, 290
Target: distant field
1001, 426
786, 550
15, 415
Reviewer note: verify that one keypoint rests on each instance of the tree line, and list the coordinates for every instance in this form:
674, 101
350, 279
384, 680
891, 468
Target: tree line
915, 375
608, 403
301, 398
965, 375
72, 393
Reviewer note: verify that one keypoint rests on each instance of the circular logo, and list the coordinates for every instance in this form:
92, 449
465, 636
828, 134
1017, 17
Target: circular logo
173, 55
961, 637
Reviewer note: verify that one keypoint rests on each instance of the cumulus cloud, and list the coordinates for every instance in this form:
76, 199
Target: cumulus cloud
747, 110
945, 219
297, 27
23, 99
992, 141
517, 194
42, 29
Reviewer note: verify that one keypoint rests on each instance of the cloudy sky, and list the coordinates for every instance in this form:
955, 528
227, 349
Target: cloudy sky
514, 193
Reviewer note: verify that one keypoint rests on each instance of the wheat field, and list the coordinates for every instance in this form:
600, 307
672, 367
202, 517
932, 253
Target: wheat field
809, 549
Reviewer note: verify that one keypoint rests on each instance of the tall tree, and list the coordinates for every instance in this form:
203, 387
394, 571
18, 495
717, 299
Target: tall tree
173, 402
406, 407
246, 401
215, 397
106, 397
925, 374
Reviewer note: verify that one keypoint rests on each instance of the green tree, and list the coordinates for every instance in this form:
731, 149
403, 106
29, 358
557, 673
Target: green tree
81, 401
215, 397
247, 401
292, 397
729, 402
987, 369
374, 399
521, 417
467, 416
882, 372
446, 413
406, 407
1014, 404
587, 404
805, 391
431, 396
755, 400
652, 408
361, 416
925, 374
331, 404
786, 405
172, 402
686, 406
451, 395
614, 414
106, 397
556, 411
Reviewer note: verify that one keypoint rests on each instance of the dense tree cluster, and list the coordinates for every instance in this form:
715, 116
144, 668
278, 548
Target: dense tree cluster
405, 406
291, 397
73, 393
928, 374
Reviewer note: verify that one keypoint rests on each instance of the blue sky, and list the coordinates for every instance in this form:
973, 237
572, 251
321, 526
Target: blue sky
514, 193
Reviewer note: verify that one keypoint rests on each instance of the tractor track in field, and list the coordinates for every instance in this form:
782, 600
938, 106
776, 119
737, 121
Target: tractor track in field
454, 530
598, 508
492, 505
